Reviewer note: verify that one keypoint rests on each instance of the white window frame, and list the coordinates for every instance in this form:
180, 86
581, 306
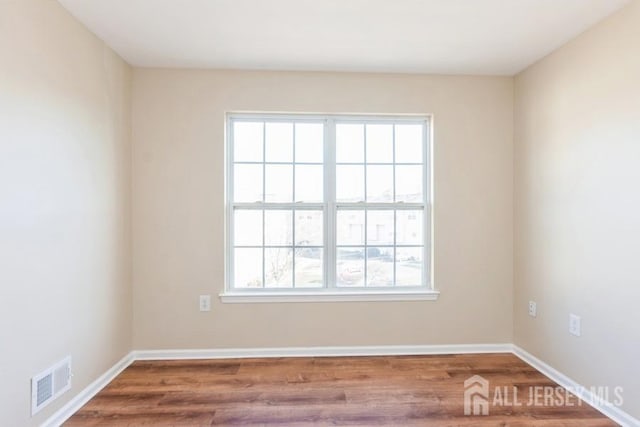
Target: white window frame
330, 292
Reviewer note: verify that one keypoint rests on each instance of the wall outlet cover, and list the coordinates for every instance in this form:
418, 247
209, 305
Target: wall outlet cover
533, 309
574, 325
205, 302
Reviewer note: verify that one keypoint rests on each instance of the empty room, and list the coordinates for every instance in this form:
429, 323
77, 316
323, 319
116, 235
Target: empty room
319, 212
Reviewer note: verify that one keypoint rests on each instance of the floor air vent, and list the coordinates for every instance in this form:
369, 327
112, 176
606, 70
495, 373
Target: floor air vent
49, 384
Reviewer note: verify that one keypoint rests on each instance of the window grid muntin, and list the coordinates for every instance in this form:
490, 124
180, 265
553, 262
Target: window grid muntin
367, 206
359, 207
330, 206
289, 207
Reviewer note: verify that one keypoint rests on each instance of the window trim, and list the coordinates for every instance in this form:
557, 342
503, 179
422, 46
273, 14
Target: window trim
330, 292
327, 296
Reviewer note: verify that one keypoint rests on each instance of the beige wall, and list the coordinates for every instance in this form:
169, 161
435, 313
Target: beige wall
577, 206
178, 208
64, 203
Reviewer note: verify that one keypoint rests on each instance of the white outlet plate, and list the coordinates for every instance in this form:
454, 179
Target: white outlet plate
533, 309
205, 302
574, 325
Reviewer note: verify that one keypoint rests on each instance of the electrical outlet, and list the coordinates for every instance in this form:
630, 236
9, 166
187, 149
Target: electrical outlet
533, 309
574, 324
205, 302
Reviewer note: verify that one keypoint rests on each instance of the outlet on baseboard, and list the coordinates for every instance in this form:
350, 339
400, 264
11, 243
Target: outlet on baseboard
574, 325
205, 302
533, 309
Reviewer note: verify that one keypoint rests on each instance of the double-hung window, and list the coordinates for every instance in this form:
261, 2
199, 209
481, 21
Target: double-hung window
324, 207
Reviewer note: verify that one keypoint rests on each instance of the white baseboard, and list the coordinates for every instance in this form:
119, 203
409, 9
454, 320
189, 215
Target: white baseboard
392, 350
611, 411
71, 407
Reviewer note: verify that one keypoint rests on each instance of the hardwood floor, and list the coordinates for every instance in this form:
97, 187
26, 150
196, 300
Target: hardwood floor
393, 391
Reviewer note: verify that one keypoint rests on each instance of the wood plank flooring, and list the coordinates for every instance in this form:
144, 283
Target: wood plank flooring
393, 391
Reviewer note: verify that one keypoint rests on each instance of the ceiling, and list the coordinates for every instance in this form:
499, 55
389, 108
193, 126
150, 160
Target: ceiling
488, 37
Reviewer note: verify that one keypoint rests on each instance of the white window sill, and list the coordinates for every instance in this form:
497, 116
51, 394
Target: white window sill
261, 297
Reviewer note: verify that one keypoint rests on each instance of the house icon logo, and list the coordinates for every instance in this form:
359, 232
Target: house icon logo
476, 396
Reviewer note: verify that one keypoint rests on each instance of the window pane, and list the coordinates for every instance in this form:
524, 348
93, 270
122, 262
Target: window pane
350, 267
379, 266
309, 184
350, 227
279, 183
409, 183
247, 183
409, 143
409, 227
380, 143
350, 143
278, 267
309, 268
350, 183
409, 266
379, 183
278, 228
247, 227
247, 141
309, 142
309, 225
247, 268
279, 142
380, 227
